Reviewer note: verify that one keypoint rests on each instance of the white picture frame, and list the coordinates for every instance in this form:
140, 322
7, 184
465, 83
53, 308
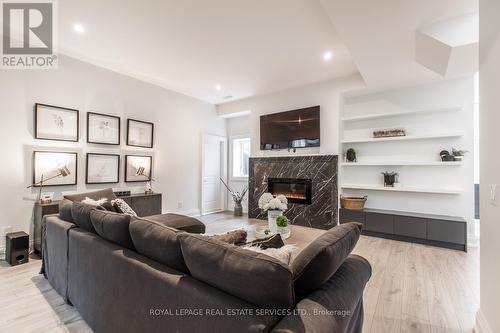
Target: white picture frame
140, 133
46, 163
102, 168
56, 123
134, 162
103, 129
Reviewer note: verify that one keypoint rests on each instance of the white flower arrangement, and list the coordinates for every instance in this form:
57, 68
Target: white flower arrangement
268, 202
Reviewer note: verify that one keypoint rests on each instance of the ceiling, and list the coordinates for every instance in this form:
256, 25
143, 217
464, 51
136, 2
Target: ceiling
381, 34
252, 48
190, 46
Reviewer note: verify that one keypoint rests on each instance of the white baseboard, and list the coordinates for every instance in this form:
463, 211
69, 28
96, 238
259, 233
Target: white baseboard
192, 212
482, 325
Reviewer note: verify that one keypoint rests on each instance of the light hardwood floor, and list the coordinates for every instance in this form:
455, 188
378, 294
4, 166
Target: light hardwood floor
414, 288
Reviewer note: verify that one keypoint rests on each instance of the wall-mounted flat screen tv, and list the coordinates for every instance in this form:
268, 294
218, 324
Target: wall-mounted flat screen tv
290, 129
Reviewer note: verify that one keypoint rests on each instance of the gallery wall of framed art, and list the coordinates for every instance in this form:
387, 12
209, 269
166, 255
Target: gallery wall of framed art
102, 165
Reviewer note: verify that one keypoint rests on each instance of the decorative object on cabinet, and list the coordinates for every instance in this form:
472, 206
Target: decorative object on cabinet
390, 178
141, 171
132, 165
140, 133
237, 198
350, 155
56, 123
354, 203
389, 133
103, 129
102, 168
54, 169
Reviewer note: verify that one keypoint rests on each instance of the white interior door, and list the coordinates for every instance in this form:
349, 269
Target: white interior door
213, 168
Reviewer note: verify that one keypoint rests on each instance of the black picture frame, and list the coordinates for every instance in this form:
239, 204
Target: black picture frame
33, 169
104, 182
127, 166
90, 114
37, 112
129, 120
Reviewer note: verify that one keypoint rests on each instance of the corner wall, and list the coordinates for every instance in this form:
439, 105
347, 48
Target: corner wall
179, 123
488, 320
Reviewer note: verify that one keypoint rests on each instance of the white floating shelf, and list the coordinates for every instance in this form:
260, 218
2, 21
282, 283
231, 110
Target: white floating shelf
402, 113
401, 164
402, 189
403, 138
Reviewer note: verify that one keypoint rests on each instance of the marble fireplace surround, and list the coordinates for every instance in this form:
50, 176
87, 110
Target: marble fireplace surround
321, 169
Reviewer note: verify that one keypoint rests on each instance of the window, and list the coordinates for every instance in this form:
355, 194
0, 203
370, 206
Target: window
240, 156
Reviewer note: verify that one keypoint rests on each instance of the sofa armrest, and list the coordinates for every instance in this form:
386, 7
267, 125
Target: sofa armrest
337, 306
55, 252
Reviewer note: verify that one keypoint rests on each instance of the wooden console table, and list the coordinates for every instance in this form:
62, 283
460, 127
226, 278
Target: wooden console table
142, 204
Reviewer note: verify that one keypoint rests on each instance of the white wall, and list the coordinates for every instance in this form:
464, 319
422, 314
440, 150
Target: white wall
489, 83
179, 123
326, 94
237, 126
450, 93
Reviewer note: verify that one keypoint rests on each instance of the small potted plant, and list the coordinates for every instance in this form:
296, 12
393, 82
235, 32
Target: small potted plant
458, 153
274, 206
282, 224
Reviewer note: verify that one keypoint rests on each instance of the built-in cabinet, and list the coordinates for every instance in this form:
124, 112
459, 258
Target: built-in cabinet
443, 231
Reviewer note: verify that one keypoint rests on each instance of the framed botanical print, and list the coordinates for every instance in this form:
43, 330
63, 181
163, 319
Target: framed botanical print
102, 168
140, 133
133, 163
56, 123
103, 129
49, 163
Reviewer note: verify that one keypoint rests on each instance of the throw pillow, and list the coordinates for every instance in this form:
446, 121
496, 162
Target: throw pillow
275, 241
158, 242
81, 215
251, 276
283, 254
65, 207
112, 226
319, 261
236, 237
123, 207
103, 202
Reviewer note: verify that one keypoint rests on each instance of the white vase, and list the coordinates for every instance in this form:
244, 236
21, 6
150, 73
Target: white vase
271, 219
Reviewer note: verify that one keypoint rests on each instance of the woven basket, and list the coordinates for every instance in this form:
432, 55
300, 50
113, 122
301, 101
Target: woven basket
354, 203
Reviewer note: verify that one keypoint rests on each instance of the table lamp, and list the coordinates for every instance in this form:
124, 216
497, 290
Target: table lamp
141, 172
62, 172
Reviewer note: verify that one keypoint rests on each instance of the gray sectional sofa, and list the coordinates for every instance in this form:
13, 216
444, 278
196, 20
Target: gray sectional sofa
126, 274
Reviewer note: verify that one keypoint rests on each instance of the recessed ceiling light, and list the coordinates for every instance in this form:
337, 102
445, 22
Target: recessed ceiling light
218, 87
78, 28
327, 56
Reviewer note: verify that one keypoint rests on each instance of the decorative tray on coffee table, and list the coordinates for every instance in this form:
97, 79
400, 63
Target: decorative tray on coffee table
264, 232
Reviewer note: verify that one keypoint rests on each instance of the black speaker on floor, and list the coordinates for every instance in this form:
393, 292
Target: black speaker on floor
17, 248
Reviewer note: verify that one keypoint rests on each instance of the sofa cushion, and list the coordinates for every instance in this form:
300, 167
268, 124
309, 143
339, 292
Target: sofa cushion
65, 207
112, 226
181, 222
81, 215
96, 195
319, 261
158, 242
251, 276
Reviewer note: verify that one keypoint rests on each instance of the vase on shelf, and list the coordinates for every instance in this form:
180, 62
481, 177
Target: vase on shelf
272, 214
